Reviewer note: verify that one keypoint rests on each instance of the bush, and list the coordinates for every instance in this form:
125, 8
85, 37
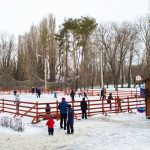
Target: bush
13, 123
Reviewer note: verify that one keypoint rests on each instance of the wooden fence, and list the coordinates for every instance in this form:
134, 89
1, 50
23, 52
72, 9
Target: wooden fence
36, 110
90, 92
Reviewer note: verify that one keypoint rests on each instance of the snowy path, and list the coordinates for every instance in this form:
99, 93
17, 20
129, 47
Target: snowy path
115, 132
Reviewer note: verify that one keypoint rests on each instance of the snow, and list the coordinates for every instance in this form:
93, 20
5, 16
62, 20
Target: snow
123, 131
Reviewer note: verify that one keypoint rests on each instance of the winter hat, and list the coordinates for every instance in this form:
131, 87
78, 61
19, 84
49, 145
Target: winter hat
63, 98
68, 105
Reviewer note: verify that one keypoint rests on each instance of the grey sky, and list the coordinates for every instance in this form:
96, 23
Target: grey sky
16, 16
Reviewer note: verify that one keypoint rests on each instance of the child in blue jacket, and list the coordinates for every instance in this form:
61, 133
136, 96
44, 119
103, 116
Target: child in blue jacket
70, 120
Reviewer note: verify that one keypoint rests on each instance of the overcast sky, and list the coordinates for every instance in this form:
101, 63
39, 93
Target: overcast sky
16, 16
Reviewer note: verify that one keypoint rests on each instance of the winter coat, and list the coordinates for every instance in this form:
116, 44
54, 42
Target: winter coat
47, 109
50, 123
71, 116
83, 105
109, 99
102, 92
63, 107
72, 94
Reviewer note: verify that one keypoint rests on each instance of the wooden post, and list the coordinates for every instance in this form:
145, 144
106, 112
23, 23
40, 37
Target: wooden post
103, 106
73, 104
128, 103
116, 104
37, 117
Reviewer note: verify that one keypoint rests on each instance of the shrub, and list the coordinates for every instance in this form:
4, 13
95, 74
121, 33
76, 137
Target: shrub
13, 123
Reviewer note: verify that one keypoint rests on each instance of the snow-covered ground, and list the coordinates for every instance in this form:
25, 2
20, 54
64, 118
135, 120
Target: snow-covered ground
125, 131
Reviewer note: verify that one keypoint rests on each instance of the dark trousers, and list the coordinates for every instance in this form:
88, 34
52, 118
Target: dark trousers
84, 114
63, 118
72, 98
70, 128
50, 131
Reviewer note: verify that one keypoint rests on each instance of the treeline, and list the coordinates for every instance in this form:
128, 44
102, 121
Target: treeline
81, 53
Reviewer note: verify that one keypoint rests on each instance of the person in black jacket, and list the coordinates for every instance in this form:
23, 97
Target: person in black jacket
70, 120
109, 99
83, 105
72, 94
63, 113
47, 109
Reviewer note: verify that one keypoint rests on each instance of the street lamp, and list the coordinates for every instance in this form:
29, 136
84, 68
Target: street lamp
101, 64
102, 79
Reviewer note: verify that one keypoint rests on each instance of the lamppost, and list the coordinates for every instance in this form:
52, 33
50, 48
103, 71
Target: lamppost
101, 64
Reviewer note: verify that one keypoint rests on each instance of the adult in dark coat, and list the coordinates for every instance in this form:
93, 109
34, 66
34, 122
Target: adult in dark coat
85, 95
15, 92
83, 105
72, 94
32, 90
70, 120
63, 112
38, 92
102, 94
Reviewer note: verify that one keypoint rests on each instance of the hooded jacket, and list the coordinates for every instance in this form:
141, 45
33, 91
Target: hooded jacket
50, 123
63, 107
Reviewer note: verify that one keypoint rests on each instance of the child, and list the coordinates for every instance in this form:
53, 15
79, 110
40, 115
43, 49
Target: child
70, 120
109, 99
50, 124
17, 98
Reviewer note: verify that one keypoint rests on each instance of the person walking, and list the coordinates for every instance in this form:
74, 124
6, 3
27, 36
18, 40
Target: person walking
102, 93
85, 95
55, 94
105, 93
63, 113
109, 100
83, 105
32, 90
50, 123
72, 94
119, 100
70, 120
17, 99
15, 92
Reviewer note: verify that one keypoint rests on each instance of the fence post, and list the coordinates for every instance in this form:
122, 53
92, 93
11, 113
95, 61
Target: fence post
57, 109
103, 106
116, 104
73, 104
37, 117
117, 93
88, 108
128, 103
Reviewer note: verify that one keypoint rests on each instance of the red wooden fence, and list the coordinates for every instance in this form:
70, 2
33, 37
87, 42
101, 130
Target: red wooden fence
36, 110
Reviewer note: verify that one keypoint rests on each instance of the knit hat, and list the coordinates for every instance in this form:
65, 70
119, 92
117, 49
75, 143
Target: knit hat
63, 98
68, 105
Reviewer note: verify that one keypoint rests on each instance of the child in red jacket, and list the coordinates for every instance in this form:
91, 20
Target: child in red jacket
50, 124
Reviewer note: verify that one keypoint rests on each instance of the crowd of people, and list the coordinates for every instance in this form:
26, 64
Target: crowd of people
66, 110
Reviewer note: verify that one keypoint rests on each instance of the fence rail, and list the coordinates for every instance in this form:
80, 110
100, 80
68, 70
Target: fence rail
36, 110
